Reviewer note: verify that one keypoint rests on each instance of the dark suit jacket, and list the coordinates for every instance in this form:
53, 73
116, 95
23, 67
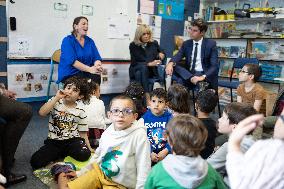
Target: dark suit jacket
209, 59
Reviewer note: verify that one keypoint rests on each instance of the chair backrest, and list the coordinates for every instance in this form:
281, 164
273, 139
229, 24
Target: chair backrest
56, 56
240, 62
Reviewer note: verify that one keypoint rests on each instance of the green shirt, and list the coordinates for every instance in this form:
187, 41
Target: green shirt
159, 178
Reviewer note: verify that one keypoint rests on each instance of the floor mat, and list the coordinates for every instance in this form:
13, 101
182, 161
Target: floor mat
44, 174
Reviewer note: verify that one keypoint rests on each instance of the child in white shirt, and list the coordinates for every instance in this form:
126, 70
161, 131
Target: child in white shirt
96, 117
122, 159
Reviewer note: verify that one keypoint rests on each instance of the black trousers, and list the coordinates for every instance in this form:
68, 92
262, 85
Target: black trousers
56, 149
15, 117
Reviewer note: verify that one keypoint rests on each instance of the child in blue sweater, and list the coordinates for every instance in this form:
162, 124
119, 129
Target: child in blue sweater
155, 119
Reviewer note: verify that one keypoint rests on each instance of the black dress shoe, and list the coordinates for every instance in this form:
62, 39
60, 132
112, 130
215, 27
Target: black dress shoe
14, 179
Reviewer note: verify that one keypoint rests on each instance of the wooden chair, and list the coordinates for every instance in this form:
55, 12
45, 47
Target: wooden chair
55, 59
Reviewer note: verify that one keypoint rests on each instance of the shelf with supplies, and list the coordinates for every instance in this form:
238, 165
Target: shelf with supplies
246, 20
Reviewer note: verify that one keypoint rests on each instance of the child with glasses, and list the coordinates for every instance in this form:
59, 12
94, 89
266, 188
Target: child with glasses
155, 119
122, 159
250, 92
185, 168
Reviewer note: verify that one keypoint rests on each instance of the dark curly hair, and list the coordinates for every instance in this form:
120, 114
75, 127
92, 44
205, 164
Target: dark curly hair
160, 93
136, 92
94, 86
81, 84
207, 100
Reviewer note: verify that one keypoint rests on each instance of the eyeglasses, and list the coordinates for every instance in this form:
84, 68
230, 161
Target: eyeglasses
243, 71
125, 112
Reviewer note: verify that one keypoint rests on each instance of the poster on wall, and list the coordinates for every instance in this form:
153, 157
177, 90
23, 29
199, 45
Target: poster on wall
30, 81
115, 77
171, 9
153, 21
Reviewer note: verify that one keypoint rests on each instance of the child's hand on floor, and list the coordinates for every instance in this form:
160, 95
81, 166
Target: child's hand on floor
162, 154
154, 157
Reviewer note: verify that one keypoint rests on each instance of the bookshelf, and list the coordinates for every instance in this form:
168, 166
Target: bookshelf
261, 37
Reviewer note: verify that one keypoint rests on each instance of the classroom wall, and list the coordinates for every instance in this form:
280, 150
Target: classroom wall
169, 28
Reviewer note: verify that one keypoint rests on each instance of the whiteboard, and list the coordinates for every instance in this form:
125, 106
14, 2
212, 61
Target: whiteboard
41, 26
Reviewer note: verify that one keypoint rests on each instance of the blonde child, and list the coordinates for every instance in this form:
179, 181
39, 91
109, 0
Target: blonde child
185, 168
68, 128
122, 159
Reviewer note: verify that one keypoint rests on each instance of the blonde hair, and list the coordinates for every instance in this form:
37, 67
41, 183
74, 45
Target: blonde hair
143, 28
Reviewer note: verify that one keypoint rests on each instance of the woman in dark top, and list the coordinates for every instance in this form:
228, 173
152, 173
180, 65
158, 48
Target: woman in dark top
146, 55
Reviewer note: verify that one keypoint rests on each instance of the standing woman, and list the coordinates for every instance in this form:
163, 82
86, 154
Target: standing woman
79, 54
146, 55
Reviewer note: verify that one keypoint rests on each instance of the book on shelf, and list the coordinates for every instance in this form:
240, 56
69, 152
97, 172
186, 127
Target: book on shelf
223, 51
237, 52
225, 68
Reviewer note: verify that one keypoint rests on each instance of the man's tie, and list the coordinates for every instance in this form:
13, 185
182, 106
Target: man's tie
194, 59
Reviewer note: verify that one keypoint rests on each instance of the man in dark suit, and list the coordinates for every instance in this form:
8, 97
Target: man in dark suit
201, 59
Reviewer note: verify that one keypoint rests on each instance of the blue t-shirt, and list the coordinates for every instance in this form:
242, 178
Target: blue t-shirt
156, 126
71, 50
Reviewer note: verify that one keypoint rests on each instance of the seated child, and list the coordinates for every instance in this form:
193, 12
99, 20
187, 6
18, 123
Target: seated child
96, 116
68, 128
136, 92
251, 92
262, 165
233, 113
155, 119
205, 103
184, 168
122, 159
178, 99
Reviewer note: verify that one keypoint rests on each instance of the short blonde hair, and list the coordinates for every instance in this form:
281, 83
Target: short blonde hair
143, 28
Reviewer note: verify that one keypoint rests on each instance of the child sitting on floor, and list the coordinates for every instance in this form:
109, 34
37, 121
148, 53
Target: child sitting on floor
178, 100
68, 127
233, 113
205, 103
185, 168
262, 165
155, 119
96, 116
251, 92
122, 159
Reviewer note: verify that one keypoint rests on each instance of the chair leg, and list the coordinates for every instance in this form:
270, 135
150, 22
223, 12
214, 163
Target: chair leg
231, 91
193, 101
219, 108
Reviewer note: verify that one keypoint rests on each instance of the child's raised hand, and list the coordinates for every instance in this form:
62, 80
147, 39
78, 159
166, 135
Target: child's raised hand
243, 128
60, 94
154, 157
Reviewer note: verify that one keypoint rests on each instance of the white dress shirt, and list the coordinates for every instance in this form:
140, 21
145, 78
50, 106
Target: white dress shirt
198, 65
